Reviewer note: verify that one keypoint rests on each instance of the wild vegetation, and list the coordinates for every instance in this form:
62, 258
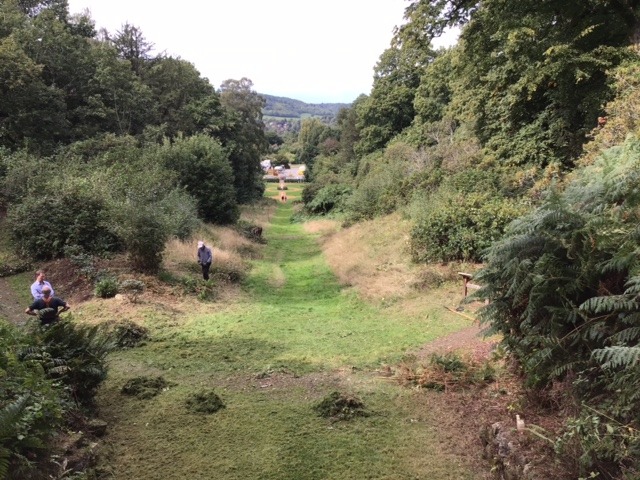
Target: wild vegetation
516, 148
515, 151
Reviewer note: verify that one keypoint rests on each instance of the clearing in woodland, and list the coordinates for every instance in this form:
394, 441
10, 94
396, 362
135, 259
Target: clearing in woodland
272, 353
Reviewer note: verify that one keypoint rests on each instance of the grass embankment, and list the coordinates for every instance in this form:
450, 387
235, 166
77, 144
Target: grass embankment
271, 355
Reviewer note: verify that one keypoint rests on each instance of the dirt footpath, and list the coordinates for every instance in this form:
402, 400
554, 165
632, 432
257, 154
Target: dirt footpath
469, 340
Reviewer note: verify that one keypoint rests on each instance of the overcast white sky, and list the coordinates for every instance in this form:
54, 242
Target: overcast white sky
311, 51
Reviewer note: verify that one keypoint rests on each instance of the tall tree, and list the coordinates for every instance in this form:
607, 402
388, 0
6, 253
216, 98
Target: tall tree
184, 101
133, 46
389, 109
244, 136
534, 74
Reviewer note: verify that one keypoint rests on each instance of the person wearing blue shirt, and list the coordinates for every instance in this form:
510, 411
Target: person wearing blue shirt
39, 284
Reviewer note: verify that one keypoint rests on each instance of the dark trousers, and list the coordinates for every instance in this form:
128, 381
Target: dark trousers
205, 270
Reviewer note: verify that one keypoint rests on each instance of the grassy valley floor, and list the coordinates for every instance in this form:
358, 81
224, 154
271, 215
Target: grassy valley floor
271, 354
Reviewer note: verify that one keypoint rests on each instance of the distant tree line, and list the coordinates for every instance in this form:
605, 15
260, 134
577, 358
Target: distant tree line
284, 107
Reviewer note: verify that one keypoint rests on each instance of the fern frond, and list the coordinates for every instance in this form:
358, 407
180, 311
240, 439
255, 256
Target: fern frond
633, 285
566, 368
10, 415
613, 357
609, 304
626, 336
58, 370
5, 455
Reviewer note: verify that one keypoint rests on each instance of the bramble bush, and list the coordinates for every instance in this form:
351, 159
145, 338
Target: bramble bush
330, 198
44, 224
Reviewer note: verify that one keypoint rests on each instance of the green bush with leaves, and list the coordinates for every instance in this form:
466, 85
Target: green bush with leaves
330, 198
202, 167
44, 223
461, 228
106, 287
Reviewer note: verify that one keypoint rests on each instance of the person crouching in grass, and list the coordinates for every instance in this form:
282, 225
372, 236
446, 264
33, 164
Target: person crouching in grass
48, 308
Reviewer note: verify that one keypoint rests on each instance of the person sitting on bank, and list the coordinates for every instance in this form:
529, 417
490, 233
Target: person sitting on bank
47, 307
39, 284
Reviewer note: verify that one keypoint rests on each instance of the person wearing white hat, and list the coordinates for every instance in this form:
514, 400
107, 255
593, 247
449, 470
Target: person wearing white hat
205, 258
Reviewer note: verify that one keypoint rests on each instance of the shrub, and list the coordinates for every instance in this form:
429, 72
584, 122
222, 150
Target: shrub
309, 192
13, 267
42, 225
463, 228
594, 442
82, 260
132, 289
329, 198
106, 287
203, 169
563, 287
145, 236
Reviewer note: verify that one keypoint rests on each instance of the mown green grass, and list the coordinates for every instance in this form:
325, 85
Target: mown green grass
21, 286
271, 360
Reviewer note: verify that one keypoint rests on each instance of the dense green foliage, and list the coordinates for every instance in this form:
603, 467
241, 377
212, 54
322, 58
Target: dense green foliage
202, 168
46, 374
563, 286
105, 148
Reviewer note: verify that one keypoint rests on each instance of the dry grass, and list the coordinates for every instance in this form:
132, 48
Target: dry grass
230, 249
322, 227
372, 257
260, 213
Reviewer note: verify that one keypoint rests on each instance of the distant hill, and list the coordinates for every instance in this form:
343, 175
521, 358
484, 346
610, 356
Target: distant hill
283, 107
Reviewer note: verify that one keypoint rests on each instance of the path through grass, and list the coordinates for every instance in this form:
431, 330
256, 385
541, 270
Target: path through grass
271, 359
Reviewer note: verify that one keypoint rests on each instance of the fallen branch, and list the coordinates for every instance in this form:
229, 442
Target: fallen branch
461, 314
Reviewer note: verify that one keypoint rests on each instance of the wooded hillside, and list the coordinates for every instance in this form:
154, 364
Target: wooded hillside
284, 107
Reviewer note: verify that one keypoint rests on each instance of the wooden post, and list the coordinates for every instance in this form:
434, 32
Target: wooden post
466, 277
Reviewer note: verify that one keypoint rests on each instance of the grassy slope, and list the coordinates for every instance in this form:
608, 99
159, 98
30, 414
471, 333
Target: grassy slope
298, 338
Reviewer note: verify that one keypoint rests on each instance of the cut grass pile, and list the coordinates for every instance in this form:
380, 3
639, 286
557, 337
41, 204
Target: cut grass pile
282, 347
